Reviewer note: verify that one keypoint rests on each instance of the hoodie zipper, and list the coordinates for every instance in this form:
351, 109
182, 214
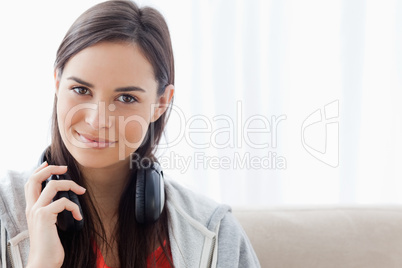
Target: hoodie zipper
10, 256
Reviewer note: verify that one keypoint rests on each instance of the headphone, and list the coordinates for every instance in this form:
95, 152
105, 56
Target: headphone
149, 195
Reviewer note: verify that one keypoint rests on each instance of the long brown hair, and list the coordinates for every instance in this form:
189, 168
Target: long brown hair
117, 21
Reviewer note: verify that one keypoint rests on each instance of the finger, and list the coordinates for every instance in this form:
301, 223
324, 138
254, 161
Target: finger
42, 166
56, 186
33, 187
49, 213
48, 171
64, 204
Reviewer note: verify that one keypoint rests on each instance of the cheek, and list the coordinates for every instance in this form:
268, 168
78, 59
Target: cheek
68, 113
132, 130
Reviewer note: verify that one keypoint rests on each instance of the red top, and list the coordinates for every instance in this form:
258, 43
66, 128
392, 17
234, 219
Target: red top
161, 260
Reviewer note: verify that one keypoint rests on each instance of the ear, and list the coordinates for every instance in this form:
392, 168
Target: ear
56, 81
163, 103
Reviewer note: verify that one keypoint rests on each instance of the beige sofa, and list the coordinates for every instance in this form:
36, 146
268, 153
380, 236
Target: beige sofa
325, 237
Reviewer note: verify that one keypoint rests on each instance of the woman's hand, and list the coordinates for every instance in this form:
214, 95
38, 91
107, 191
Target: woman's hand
46, 249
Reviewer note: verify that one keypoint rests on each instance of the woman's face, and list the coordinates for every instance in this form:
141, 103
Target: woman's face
107, 97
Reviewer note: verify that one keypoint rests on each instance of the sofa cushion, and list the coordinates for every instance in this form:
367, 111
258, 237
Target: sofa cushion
325, 237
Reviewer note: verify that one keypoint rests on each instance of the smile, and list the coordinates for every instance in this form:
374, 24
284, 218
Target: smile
94, 142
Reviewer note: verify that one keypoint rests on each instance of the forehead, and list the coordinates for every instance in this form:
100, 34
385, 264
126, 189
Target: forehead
110, 64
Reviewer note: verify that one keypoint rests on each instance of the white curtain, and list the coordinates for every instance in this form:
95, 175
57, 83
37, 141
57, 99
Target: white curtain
277, 102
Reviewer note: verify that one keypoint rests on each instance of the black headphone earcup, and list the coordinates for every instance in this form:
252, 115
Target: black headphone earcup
150, 194
140, 196
78, 225
65, 219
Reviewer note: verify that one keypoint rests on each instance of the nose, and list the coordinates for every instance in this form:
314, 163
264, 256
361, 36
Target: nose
98, 117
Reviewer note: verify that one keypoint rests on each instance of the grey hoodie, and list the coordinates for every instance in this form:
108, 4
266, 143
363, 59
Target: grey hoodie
203, 233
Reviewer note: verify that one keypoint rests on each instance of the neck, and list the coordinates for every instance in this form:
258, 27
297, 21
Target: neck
106, 186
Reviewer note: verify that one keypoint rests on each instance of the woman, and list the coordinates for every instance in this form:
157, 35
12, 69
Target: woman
114, 79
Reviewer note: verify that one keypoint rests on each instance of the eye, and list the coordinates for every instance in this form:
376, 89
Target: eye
127, 98
81, 90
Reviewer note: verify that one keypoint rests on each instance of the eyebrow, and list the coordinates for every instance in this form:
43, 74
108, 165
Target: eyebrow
120, 89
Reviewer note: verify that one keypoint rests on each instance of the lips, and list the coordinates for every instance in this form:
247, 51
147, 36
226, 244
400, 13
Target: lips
94, 142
